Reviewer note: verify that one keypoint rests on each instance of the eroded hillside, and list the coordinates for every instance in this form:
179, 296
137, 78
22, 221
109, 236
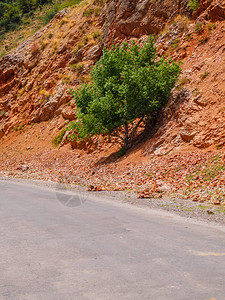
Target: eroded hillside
35, 103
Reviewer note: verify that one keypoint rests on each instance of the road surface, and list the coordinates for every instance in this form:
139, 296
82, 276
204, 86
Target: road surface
51, 248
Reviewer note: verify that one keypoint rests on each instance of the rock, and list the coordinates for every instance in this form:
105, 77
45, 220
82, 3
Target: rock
63, 48
186, 134
25, 168
94, 53
146, 193
31, 62
78, 56
200, 101
65, 139
163, 187
68, 113
47, 111
216, 202
6, 74
217, 12
1, 133
93, 188
124, 18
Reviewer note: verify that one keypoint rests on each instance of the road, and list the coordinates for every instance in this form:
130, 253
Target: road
103, 250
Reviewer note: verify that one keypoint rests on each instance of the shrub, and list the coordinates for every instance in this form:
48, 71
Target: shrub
85, 39
80, 67
35, 49
88, 12
181, 83
2, 113
182, 21
20, 92
204, 75
193, 4
211, 26
44, 44
50, 35
96, 35
57, 139
198, 27
50, 14
129, 85
63, 21
175, 43
203, 40
45, 95
97, 11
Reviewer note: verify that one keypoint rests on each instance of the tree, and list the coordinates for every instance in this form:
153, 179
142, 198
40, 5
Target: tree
129, 84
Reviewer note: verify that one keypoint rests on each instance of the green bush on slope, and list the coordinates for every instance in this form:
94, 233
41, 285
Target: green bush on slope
129, 85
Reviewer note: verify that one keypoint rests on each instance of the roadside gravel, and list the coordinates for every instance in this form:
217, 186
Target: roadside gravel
183, 207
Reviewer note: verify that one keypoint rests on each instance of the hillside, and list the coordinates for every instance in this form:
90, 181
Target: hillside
183, 153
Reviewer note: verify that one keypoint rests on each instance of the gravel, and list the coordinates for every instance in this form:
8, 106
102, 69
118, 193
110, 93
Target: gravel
185, 208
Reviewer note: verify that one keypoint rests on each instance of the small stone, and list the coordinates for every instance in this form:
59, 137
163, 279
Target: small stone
25, 168
186, 135
217, 202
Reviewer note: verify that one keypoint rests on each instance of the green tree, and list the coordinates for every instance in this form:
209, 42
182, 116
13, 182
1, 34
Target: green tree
129, 84
26, 5
9, 16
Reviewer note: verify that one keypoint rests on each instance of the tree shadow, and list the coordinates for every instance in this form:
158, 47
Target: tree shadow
141, 137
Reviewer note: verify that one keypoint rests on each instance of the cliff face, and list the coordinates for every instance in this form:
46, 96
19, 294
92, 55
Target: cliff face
125, 19
35, 77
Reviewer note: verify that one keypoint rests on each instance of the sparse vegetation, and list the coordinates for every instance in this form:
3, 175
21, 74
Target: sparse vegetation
211, 26
57, 139
97, 11
181, 82
77, 48
45, 95
96, 35
189, 37
77, 68
21, 14
175, 43
20, 92
88, 12
203, 40
67, 80
44, 44
204, 75
182, 21
85, 39
63, 21
2, 113
208, 170
198, 28
195, 92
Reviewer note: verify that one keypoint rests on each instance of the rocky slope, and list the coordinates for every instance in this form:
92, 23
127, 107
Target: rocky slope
187, 140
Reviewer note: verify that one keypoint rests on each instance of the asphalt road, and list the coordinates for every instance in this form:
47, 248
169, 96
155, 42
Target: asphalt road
53, 248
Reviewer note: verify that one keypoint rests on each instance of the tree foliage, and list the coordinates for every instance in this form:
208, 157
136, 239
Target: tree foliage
14, 12
129, 84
